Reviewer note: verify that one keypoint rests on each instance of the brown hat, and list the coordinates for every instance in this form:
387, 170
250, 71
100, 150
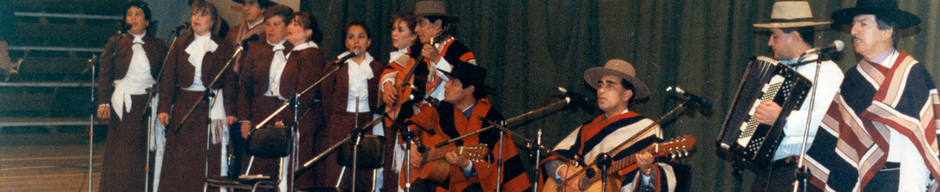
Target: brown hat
620, 68
788, 14
430, 8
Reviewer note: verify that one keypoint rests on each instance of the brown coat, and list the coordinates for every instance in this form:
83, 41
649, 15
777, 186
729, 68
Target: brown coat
126, 147
179, 73
116, 60
254, 81
335, 92
241, 32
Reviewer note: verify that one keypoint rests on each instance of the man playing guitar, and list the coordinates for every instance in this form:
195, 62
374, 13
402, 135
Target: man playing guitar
465, 110
616, 86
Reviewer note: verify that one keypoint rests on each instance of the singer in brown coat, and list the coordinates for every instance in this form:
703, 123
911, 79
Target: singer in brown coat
186, 158
344, 110
261, 82
125, 155
304, 32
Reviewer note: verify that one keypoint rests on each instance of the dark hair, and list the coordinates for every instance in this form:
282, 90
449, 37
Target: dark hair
479, 91
139, 4
307, 21
357, 23
200, 5
279, 10
448, 24
628, 86
885, 24
807, 33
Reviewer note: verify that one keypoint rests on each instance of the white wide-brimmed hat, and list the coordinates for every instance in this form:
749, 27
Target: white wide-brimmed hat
789, 14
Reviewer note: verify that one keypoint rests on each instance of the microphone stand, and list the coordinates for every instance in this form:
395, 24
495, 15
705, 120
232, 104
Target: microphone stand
603, 162
94, 102
91, 127
502, 129
801, 172
628, 140
208, 93
153, 90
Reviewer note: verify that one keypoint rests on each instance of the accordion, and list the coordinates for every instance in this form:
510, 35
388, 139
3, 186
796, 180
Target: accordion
765, 80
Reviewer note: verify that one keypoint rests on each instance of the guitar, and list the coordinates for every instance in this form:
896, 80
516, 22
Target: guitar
405, 83
435, 167
678, 147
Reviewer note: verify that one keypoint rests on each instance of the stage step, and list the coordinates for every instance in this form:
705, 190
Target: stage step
46, 121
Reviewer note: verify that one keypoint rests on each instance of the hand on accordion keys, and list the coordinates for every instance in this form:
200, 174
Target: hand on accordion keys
767, 112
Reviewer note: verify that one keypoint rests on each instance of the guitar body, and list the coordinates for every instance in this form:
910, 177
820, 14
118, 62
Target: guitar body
436, 168
613, 184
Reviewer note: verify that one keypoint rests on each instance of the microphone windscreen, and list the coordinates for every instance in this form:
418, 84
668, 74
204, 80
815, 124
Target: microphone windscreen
839, 45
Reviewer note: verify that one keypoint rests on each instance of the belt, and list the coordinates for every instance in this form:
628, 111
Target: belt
890, 166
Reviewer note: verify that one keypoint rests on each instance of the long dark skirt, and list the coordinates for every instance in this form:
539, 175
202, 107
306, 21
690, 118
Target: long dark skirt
310, 124
185, 159
328, 169
125, 152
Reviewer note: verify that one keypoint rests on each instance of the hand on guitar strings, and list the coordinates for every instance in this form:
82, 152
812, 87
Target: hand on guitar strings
457, 160
416, 158
391, 93
644, 162
567, 172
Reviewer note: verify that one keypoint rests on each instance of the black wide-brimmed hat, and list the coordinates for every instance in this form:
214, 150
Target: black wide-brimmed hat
882, 9
264, 4
469, 74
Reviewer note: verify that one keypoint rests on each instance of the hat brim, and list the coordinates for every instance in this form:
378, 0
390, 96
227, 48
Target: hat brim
790, 25
261, 3
479, 84
904, 19
592, 75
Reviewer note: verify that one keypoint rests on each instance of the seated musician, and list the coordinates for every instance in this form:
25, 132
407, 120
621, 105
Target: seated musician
616, 86
791, 36
465, 103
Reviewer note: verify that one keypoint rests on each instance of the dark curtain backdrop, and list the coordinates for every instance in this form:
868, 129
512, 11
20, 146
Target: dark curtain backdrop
530, 47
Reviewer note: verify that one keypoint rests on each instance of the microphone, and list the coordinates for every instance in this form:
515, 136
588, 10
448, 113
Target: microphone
575, 97
836, 46
349, 55
704, 103
181, 27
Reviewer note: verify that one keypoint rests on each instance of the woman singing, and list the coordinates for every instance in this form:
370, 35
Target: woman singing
351, 97
400, 60
131, 63
304, 33
192, 64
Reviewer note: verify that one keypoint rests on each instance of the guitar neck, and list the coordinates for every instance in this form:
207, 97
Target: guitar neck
627, 161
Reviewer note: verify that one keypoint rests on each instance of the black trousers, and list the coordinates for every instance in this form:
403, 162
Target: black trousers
778, 177
885, 180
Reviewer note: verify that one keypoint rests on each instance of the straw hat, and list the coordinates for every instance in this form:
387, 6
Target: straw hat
620, 68
789, 14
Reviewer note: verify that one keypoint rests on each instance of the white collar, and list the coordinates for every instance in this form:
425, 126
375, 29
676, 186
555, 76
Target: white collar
305, 45
624, 111
252, 25
277, 46
208, 36
885, 58
138, 38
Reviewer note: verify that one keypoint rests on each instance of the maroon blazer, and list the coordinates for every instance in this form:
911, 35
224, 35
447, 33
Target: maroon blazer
254, 76
179, 73
309, 64
336, 88
116, 60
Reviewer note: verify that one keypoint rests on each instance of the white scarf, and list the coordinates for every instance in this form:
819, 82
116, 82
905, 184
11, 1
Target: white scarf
277, 68
135, 82
197, 51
